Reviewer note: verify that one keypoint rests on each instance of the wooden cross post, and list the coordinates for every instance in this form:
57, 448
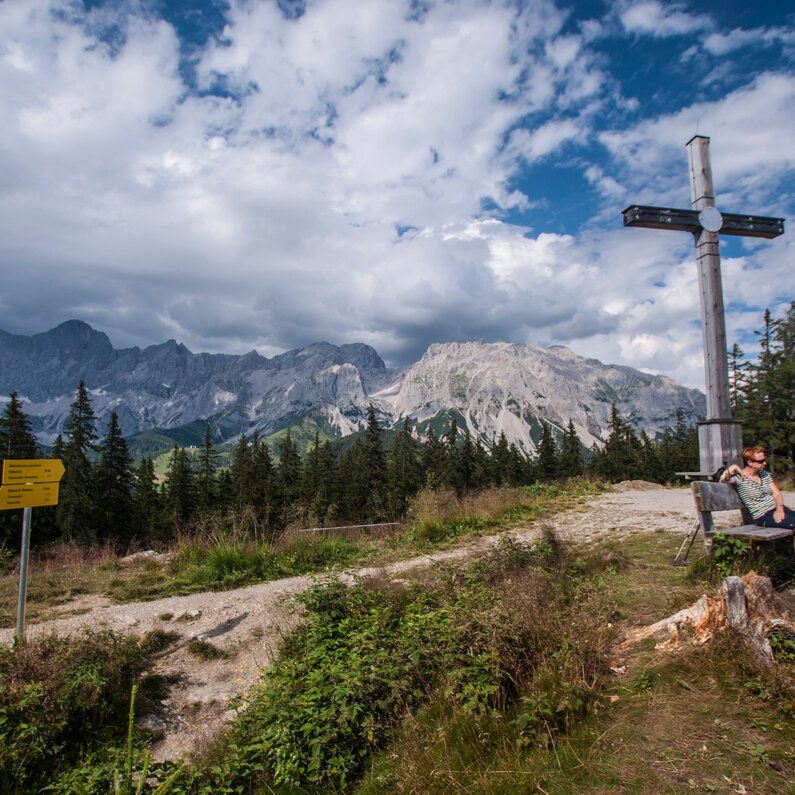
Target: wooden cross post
719, 437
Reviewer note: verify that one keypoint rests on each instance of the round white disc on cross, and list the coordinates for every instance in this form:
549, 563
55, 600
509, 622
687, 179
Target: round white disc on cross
710, 219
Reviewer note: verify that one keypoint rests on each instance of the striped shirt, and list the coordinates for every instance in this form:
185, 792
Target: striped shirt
757, 497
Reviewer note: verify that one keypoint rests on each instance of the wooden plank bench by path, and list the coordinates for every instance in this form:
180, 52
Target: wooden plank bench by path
712, 497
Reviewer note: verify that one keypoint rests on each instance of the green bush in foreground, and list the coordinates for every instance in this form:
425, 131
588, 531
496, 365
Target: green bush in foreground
60, 698
367, 656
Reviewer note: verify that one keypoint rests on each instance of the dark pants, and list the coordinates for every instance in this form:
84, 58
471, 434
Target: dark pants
767, 520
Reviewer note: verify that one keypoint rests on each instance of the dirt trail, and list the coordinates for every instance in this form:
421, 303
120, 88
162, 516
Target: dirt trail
249, 623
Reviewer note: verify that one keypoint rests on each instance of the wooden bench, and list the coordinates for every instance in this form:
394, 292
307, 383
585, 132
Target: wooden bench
711, 497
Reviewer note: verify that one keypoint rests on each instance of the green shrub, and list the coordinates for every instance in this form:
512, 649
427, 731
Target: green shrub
727, 551
365, 656
58, 699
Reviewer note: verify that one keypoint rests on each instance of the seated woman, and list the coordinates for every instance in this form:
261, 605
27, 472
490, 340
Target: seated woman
760, 495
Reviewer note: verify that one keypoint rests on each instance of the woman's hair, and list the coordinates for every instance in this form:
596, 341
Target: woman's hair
750, 452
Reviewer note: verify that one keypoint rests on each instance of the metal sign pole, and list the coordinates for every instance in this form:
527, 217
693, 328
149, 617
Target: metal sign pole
23, 575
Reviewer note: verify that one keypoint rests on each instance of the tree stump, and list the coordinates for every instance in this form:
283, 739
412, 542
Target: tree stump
748, 605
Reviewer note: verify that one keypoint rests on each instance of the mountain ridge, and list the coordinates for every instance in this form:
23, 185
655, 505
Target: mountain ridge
493, 388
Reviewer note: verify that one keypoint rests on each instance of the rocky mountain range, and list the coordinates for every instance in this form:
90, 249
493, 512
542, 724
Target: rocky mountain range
488, 387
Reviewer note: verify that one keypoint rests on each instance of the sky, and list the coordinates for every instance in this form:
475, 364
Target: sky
265, 174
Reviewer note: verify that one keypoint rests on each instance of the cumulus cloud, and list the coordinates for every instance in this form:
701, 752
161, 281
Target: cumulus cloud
365, 172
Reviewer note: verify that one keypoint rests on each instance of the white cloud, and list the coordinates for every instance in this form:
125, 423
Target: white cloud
653, 18
721, 44
267, 215
751, 146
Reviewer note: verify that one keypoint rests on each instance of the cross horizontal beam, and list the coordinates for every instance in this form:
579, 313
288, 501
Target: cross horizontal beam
687, 221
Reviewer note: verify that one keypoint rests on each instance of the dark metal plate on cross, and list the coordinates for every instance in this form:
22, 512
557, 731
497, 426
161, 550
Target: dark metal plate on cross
690, 221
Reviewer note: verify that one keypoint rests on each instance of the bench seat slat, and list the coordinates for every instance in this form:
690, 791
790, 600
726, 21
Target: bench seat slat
753, 532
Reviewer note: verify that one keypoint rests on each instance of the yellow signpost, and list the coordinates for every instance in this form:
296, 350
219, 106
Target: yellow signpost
45, 470
27, 484
28, 495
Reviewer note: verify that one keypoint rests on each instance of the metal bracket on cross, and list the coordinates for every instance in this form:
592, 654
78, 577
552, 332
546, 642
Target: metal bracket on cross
696, 221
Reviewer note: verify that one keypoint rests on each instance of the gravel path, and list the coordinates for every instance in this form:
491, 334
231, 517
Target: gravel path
249, 623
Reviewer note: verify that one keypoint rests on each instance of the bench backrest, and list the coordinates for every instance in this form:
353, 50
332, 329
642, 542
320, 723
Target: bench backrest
711, 497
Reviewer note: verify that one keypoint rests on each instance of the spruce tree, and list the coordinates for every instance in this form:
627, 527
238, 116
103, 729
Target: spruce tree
405, 470
288, 474
518, 466
353, 483
328, 494
262, 488
241, 473
77, 499
570, 462
206, 487
310, 477
467, 474
784, 340
618, 458
16, 439
547, 458
450, 464
114, 484
501, 461
433, 459
16, 442
180, 487
148, 514
374, 463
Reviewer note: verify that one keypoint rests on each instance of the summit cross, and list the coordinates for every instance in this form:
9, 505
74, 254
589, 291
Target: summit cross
719, 437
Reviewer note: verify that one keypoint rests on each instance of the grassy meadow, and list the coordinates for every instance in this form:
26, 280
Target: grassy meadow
494, 674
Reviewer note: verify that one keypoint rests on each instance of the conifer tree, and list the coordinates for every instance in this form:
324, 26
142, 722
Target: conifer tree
77, 497
518, 466
785, 388
262, 487
618, 458
310, 477
570, 461
328, 494
405, 470
180, 487
547, 459
433, 459
501, 461
374, 470
763, 400
482, 469
649, 465
16, 442
354, 483
114, 485
206, 487
467, 465
288, 473
738, 381
147, 503
16, 439
450, 464
241, 473
319, 479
